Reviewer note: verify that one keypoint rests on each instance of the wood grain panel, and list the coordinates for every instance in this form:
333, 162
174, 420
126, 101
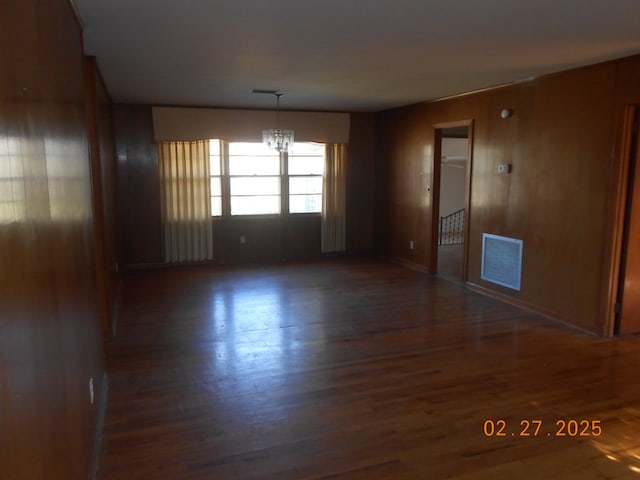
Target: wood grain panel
263, 238
138, 190
50, 338
360, 191
267, 238
302, 239
565, 234
559, 142
628, 80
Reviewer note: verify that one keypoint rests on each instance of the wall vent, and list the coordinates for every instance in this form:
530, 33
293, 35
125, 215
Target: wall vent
501, 260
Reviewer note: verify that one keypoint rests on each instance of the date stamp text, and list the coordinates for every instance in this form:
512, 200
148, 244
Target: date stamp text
538, 428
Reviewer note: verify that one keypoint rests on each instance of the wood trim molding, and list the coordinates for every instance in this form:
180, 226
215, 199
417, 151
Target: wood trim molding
620, 187
436, 168
479, 90
95, 167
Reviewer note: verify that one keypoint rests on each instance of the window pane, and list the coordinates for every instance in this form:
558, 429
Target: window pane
255, 186
216, 206
305, 203
305, 185
308, 148
250, 149
307, 159
215, 186
214, 157
258, 205
306, 165
214, 165
254, 165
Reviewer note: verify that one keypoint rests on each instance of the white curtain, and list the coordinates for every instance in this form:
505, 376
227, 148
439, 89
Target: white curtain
333, 199
186, 201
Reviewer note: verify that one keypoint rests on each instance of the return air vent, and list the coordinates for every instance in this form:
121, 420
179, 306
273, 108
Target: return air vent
501, 260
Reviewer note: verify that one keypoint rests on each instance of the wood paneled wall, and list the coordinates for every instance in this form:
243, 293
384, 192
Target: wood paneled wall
560, 142
266, 238
50, 338
138, 186
360, 191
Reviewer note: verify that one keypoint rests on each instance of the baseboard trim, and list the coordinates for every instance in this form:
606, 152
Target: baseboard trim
516, 302
97, 436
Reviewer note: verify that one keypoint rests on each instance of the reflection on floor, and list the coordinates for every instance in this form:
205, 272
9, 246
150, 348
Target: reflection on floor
357, 369
450, 262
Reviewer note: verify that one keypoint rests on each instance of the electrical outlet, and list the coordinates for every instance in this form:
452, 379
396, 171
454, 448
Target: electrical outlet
243, 240
91, 395
411, 245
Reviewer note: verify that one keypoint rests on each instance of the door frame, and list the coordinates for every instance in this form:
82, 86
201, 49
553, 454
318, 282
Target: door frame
619, 222
435, 192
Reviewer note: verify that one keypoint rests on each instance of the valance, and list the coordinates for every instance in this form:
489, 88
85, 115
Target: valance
189, 124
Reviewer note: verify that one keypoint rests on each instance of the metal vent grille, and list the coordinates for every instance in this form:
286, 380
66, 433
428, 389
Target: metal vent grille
501, 260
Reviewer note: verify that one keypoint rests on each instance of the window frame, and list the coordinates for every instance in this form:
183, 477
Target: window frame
284, 180
220, 177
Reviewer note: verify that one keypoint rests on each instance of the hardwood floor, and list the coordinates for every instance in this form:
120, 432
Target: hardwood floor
356, 369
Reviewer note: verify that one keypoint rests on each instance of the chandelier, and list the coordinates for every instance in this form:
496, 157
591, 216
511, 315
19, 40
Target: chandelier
278, 138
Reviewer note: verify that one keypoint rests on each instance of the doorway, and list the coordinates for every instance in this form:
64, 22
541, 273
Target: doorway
627, 318
452, 167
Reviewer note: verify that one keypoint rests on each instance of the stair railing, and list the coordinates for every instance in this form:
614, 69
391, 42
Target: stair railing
452, 228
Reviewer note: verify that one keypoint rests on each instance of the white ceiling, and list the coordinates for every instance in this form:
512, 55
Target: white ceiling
343, 55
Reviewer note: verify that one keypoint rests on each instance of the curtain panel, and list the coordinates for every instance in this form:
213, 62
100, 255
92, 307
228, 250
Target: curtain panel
334, 199
186, 201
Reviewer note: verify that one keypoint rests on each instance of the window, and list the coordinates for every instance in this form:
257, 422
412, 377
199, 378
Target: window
249, 178
306, 166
